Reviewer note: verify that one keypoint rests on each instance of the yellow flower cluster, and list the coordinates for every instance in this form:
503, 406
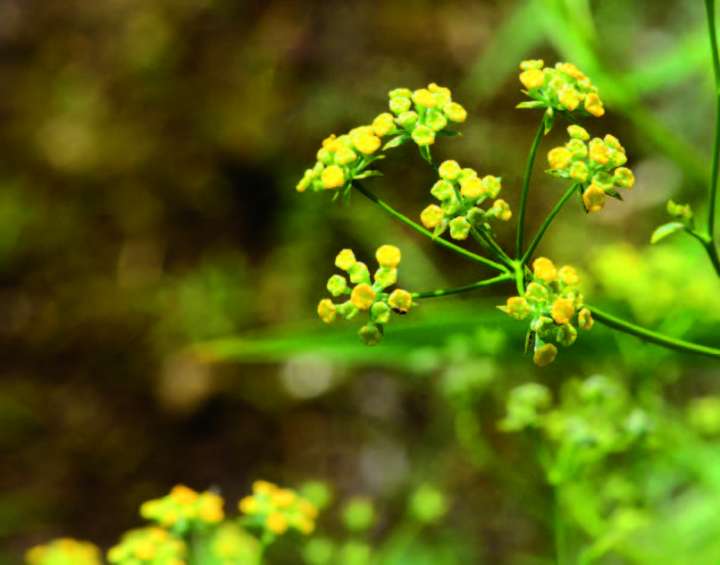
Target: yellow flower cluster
461, 192
64, 551
184, 507
365, 293
594, 164
563, 87
554, 305
342, 159
277, 510
149, 546
422, 113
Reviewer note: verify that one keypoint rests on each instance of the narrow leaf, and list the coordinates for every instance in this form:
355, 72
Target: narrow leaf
666, 230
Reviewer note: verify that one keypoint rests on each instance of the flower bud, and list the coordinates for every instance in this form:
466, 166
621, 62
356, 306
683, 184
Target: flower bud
366, 142
305, 181
545, 354
370, 334
347, 310
544, 269
380, 313
400, 93
578, 132
436, 120
536, 293
423, 97
459, 228
337, 285
569, 97
599, 151
624, 177
400, 104
383, 124
345, 156
386, 276
326, 310
471, 188
449, 170
501, 210
594, 105
517, 307
388, 256
443, 190
455, 112
407, 120
532, 78
559, 158
359, 273
579, 171
362, 296
577, 148
400, 300
492, 185
432, 216
333, 177
345, 259
568, 275
566, 335
423, 135
585, 319
563, 311
532, 64
594, 198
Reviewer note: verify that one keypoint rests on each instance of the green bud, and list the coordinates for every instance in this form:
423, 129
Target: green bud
451, 206
371, 334
358, 514
566, 335
380, 313
324, 156
476, 216
536, 293
435, 119
492, 185
317, 492
604, 180
386, 276
347, 310
359, 273
407, 120
400, 92
459, 228
423, 135
577, 147
680, 211
400, 104
337, 285
579, 171
443, 190
319, 551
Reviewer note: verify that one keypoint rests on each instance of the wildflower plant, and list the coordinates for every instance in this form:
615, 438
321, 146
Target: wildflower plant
466, 206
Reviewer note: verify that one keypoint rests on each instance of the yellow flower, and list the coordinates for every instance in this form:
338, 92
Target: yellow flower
277, 523
578, 132
568, 275
388, 256
569, 98
517, 307
423, 97
365, 140
383, 124
585, 319
345, 259
248, 505
562, 311
502, 210
432, 216
264, 487
624, 177
471, 188
345, 155
599, 152
594, 198
362, 296
594, 105
559, 158
283, 498
333, 177
327, 311
455, 112
449, 170
532, 78
532, 64
572, 70
545, 354
544, 269
400, 300
183, 495
210, 508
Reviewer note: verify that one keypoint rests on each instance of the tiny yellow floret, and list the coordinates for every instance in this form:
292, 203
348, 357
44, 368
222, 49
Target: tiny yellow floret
545, 354
532, 78
568, 275
449, 170
471, 188
423, 97
559, 158
345, 259
388, 256
585, 319
563, 311
400, 300
594, 105
332, 177
594, 198
432, 216
277, 523
544, 269
362, 296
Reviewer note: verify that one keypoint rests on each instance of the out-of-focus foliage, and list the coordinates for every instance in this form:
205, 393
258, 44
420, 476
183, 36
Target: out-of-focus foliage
159, 275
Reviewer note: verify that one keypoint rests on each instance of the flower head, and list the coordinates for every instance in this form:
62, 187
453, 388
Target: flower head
149, 546
64, 551
184, 508
366, 293
277, 510
596, 165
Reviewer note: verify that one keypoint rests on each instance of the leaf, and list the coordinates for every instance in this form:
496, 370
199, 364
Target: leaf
530, 104
666, 230
425, 153
549, 120
396, 141
449, 133
367, 174
612, 193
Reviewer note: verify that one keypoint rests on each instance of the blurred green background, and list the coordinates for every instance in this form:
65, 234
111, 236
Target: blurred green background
147, 205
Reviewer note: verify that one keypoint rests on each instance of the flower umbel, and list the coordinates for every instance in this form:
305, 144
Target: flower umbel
149, 546
276, 510
364, 293
596, 166
184, 508
64, 551
461, 192
554, 306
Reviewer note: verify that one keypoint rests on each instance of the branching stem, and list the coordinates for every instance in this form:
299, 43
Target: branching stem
526, 188
461, 289
546, 224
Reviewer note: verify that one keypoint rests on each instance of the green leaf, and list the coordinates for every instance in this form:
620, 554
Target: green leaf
449, 133
368, 174
549, 120
612, 193
396, 141
666, 230
530, 104
425, 153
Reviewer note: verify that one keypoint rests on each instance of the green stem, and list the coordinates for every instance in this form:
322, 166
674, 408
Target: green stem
486, 239
712, 192
546, 224
460, 289
526, 188
559, 529
418, 228
651, 336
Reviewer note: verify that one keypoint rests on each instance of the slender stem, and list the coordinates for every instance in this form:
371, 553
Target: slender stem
418, 228
460, 289
486, 239
526, 188
710, 7
559, 529
546, 224
651, 336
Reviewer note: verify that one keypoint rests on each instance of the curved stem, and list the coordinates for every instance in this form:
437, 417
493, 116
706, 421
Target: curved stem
418, 228
486, 239
460, 289
651, 336
526, 188
546, 224
712, 191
